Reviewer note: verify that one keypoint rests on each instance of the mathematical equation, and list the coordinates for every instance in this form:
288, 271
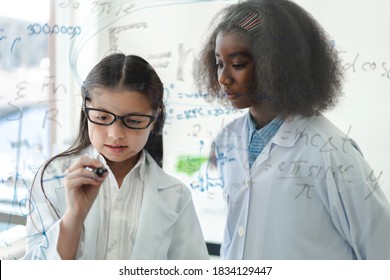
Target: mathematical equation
302, 171
14, 40
114, 7
9, 41
363, 65
37, 29
22, 91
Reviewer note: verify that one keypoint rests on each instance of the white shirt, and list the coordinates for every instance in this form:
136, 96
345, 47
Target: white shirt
120, 208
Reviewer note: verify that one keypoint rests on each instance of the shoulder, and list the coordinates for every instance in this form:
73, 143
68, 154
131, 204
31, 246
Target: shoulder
321, 135
162, 180
315, 125
236, 123
236, 126
172, 192
320, 127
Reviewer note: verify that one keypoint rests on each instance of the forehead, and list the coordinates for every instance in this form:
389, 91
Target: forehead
229, 44
120, 101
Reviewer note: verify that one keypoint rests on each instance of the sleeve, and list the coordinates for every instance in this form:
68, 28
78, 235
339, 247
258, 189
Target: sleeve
360, 211
42, 228
44, 218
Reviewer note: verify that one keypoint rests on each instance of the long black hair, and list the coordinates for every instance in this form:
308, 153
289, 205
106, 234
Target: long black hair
296, 65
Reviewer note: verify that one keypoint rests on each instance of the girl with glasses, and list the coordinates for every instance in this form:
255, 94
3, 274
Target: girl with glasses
295, 185
106, 197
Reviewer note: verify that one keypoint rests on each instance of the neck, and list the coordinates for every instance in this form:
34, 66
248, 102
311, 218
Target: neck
121, 169
261, 117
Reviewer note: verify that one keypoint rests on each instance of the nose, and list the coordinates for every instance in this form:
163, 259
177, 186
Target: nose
224, 77
117, 130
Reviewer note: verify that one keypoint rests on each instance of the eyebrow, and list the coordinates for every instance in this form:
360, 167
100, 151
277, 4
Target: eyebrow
236, 54
137, 113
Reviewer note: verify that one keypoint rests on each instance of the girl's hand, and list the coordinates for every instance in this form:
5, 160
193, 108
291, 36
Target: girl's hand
82, 187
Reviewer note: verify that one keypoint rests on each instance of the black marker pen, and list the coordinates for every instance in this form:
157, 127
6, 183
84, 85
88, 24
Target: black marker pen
98, 171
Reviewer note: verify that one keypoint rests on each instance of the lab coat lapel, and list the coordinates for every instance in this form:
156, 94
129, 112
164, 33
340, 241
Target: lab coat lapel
155, 218
91, 228
291, 130
239, 143
286, 136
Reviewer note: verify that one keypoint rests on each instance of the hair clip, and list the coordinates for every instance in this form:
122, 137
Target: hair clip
250, 22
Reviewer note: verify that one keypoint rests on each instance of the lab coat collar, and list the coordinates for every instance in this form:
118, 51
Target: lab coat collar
287, 135
291, 130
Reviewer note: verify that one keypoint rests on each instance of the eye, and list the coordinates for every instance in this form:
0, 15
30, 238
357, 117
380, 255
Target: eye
102, 116
132, 121
219, 63
239, 65
136, 121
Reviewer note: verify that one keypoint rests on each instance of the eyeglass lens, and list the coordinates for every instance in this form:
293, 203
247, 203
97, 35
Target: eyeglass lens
106, 118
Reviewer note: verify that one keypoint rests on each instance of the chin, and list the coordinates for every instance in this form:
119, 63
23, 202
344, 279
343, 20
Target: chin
239, 105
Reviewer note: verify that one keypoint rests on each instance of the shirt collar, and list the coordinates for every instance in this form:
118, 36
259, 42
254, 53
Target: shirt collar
139, 166
266, 132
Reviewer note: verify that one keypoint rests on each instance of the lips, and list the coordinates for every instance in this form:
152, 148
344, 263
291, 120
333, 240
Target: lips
116, 148
231, 95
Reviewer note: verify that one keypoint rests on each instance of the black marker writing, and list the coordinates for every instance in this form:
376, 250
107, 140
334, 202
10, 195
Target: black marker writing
51, 115
372, 179
50, 80
359, 64
304, 187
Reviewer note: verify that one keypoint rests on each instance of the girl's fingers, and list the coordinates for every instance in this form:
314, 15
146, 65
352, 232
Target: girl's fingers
81, 176
85, 162
84, 167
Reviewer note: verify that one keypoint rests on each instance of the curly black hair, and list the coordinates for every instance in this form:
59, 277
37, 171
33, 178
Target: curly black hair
296, 64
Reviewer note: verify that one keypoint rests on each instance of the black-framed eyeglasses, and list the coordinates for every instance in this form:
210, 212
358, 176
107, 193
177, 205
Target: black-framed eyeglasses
132, 121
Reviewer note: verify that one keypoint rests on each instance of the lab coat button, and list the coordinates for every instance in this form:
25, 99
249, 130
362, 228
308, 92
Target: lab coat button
240, 231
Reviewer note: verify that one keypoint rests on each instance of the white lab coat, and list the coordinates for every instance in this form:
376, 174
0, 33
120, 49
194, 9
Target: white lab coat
309, 195
168, 225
